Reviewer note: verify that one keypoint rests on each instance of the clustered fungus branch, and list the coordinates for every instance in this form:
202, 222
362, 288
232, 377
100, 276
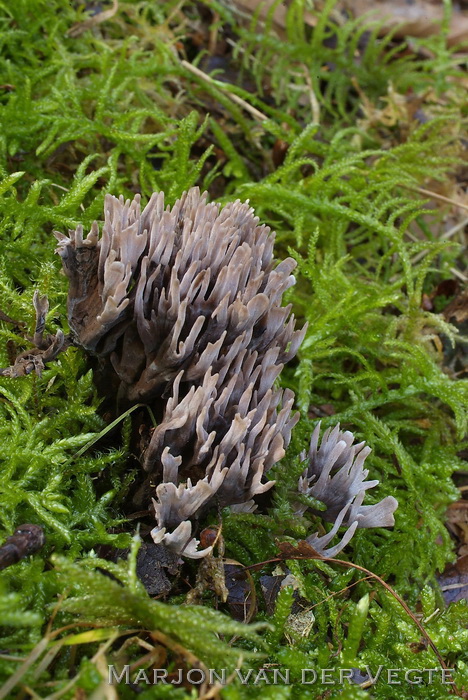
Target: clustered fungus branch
46, 348
184, 304
335, 476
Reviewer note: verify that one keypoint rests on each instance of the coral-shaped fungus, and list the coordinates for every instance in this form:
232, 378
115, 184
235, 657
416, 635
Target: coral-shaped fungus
336, 477
185, 305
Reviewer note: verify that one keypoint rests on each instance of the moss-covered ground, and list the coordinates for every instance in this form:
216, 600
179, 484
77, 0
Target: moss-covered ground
331, 130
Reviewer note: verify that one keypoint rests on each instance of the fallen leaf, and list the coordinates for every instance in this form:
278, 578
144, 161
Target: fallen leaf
458, 308
420, 19
405, 18
454, 581
457, 524
303, 550
458, 512
241, 599
271, 586
264, 7
26, 539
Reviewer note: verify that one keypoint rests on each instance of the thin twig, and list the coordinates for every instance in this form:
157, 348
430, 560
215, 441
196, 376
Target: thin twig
92, 21
22, 670
459, 274
235, 98
342, 590
314, 103
455, 229
434, 195
65, 189
444, 237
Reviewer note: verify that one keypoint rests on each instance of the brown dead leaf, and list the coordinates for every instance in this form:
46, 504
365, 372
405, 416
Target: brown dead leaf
324, 409
153, 562
299, 625
457, 524
419, 19
280, 150
210, 576
27, 539
241, 599
458, 308
303, 550
271, 586
301, 618
7, 319
446, 288
458, 512
263, 8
